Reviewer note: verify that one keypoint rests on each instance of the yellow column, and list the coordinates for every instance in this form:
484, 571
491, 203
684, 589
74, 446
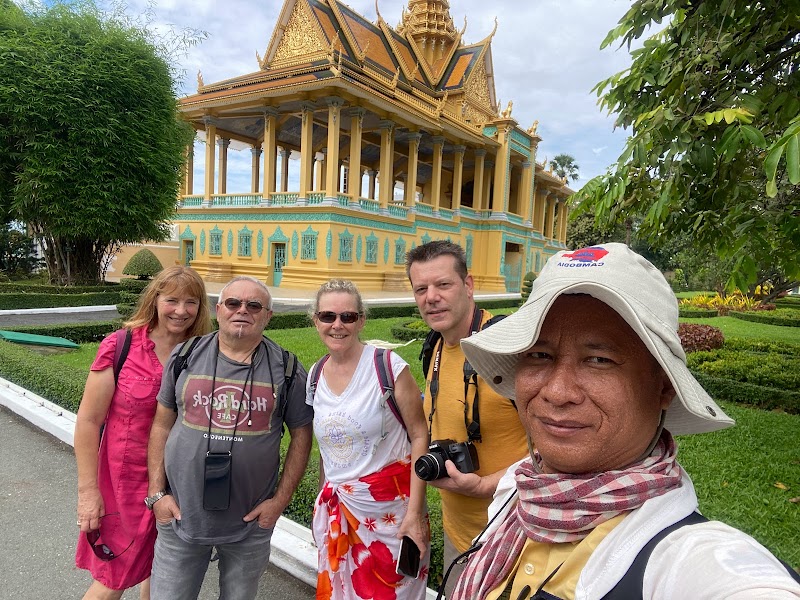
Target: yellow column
488, 165
458, 175
334, 130
188, 175
477, 180
526, 192
540, 202
436, 176
211, 143
223, 165
371, 185
270, 149
255, 154
386, 171
550, 216
562, 219
356, 131
306, 149
413, 165
284, 169
500, 200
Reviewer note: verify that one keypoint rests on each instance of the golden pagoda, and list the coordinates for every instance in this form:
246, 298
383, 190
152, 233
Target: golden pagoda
366, 141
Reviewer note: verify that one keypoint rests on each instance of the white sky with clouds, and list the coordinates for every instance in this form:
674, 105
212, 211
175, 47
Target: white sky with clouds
546, 59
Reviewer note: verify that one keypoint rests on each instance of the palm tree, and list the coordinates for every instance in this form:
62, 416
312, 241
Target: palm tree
565, 166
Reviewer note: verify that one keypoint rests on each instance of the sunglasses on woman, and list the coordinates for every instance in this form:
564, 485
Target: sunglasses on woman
252, 306
102, 550
328, 316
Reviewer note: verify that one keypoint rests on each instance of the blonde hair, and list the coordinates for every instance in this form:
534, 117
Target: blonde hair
178, 279
338, 286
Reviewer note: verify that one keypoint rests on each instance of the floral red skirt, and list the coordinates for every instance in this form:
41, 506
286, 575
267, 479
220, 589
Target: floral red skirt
355, 528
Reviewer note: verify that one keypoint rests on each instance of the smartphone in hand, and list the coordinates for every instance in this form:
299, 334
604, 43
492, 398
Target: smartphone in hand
408, 562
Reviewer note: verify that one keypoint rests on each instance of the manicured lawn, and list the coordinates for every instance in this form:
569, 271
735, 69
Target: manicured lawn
747, 475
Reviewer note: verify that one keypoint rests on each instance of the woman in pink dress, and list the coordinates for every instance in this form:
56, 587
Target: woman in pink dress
117, 531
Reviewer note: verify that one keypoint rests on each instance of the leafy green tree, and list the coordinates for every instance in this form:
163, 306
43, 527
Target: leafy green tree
17, 253
713, 103
91, 145
565, 166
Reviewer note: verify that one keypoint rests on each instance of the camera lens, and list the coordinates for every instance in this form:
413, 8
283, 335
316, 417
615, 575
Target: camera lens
430, 467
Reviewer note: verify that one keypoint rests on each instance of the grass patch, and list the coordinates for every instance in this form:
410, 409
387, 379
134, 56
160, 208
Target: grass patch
739, 474
745, 329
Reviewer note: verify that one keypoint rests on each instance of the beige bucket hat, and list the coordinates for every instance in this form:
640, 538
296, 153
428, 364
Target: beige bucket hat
634, 288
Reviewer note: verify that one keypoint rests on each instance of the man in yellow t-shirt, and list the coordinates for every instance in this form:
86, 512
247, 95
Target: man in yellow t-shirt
443, 290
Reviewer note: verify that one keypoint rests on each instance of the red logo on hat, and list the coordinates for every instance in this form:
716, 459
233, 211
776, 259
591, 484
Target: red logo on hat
592, 254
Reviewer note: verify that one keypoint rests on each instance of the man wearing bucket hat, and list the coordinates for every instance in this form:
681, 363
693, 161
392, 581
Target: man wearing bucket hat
603, 509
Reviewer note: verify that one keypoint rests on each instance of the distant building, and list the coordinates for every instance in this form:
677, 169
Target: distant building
366, 141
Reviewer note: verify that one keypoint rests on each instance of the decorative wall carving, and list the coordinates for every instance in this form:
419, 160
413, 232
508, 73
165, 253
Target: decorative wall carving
298, 37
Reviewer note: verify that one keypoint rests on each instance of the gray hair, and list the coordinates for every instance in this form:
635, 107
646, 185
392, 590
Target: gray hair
257, 282
344, 286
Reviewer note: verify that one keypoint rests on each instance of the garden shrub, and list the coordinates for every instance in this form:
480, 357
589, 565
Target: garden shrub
410, 330
788, 302
143, 265
80, 333
697, 313
133, 286
40, 288
17, 300
759, 373
43, 377
695, 337
784, 317
527, 286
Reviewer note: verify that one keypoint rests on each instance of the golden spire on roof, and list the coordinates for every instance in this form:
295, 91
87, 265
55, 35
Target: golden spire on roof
429, 23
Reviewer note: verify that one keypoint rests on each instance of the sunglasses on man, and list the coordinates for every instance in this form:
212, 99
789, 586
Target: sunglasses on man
252, 306
101, 549
328, 316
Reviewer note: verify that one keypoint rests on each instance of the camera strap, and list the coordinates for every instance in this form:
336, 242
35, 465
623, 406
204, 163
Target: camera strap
470, 378
249, 377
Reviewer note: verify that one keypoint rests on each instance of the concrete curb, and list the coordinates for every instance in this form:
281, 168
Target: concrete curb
293, 549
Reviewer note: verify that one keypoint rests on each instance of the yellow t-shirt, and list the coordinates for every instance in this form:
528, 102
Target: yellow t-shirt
538, 560
503, 440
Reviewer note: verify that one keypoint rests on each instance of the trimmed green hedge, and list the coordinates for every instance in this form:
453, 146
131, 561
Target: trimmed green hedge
762, 374
134, 286
697, 313
783, 317
410, 330
29, 288
80, 333
17, 300
43, 377
788, 302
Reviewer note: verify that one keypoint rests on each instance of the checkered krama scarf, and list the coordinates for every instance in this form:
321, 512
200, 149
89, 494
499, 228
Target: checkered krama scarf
556, 508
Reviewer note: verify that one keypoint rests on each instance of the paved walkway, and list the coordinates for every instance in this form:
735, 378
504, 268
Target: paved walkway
37, 510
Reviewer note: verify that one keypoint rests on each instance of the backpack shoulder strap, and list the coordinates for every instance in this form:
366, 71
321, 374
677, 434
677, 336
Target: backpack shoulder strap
121, 349
289, 371
428, 346
630, 586
183, 356
316, 373
383, 367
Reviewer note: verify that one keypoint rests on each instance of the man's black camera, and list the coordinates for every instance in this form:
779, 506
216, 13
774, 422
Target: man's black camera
431, 465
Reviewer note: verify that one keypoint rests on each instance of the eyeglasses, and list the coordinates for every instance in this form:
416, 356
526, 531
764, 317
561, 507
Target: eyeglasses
252, 306
102, 550
328, 316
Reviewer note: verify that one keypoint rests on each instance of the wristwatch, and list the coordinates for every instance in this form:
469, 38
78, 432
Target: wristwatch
151, 500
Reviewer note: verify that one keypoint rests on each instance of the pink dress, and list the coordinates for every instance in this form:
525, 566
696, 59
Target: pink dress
122, 466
